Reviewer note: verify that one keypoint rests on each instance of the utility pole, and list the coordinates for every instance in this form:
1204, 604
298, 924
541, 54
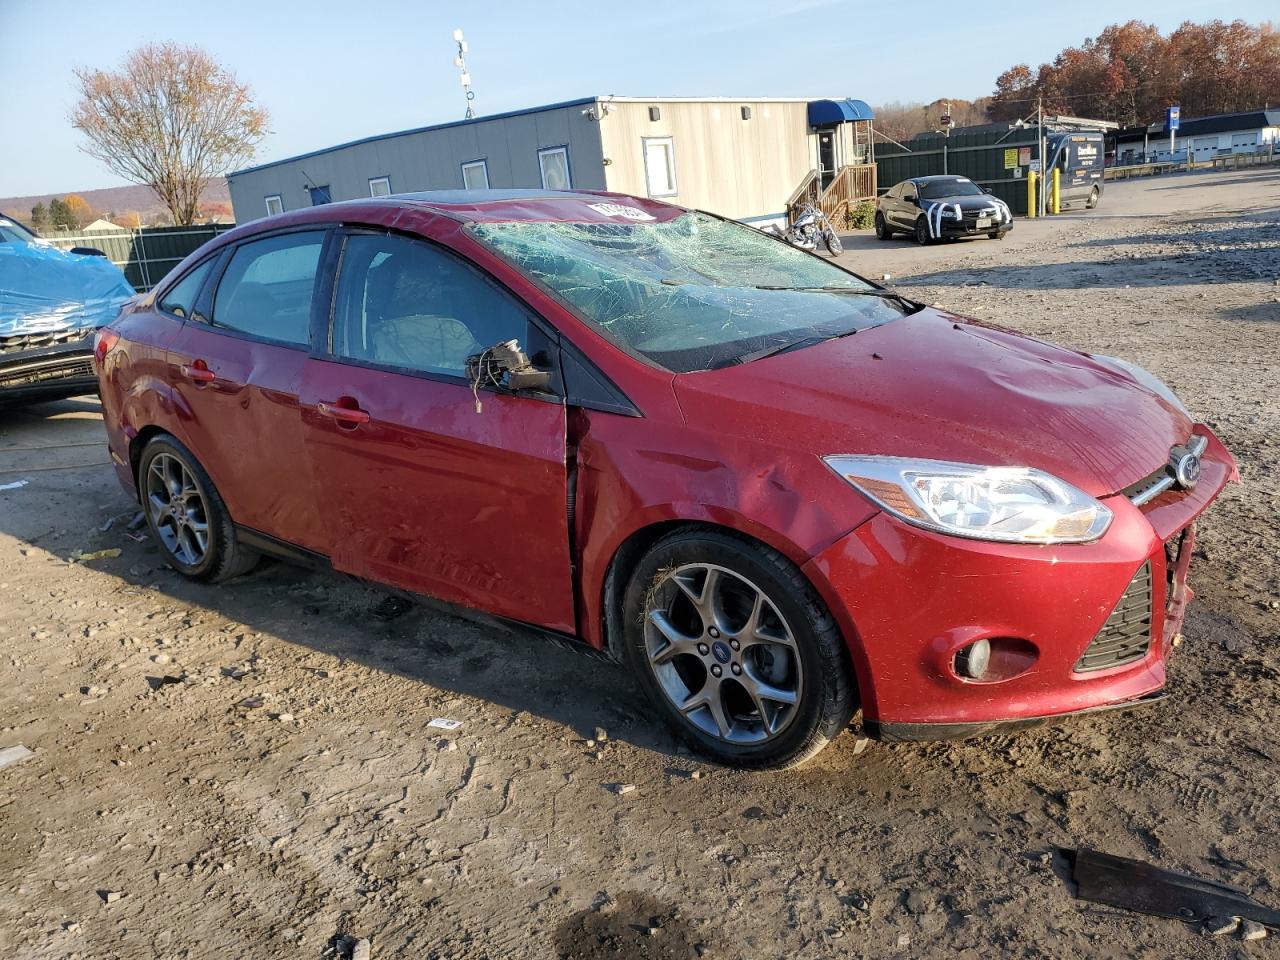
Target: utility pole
460, 61
1044, 167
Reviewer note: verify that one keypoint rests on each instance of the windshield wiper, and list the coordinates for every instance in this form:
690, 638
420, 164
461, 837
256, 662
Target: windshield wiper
847, 291
788, 347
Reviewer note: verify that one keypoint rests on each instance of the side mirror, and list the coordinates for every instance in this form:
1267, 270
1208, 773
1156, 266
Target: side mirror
505, 364
914, 201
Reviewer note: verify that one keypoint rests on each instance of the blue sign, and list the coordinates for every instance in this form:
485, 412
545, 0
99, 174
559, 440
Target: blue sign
1174, 120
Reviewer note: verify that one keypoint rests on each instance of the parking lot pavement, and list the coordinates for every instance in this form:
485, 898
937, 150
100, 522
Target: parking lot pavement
250, 769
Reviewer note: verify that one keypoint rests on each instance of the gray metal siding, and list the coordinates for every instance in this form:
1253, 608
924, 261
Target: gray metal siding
430, 160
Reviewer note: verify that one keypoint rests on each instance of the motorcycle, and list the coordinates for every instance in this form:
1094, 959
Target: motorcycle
811, 230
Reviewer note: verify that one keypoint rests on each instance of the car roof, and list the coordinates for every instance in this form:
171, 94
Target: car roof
496, 206
934, 177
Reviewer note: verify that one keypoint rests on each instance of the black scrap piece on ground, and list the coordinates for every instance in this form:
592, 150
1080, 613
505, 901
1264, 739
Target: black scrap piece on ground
1135, 885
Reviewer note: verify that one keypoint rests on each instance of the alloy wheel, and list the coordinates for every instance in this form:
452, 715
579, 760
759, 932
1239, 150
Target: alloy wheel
722, 653
177, 508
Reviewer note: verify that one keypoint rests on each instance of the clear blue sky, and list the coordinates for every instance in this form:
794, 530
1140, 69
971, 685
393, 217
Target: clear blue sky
335, 70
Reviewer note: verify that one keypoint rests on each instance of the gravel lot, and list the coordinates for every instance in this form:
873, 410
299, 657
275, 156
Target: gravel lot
249, 770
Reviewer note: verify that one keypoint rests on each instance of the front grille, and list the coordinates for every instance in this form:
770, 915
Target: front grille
73, 368
15, 343
1126, 636
971, 215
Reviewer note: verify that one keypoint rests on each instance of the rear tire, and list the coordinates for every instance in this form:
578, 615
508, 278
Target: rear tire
883, 231
922, 231
186, 516
733, 630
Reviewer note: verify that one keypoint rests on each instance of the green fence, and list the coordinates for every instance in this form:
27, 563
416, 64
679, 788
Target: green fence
147, 254
994, 160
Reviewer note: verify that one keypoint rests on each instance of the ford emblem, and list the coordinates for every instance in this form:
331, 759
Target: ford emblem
1187, 470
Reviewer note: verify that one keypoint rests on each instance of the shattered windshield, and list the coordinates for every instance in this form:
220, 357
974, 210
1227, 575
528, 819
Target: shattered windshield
692, 293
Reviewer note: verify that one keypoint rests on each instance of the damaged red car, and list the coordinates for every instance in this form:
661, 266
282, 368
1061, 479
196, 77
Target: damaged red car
779, 493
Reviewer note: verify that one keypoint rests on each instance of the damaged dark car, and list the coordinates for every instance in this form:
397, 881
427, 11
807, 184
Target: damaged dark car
51, 303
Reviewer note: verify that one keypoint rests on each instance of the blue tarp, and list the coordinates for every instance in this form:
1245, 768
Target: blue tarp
823, 113
43, 289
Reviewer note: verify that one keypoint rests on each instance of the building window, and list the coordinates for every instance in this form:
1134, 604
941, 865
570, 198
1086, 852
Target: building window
554, 163
660, 166
475, 175
274, 205
320, 195
379, 186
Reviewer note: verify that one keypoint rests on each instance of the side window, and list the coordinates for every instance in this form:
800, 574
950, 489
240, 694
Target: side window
181, 297
267, 287
408, 304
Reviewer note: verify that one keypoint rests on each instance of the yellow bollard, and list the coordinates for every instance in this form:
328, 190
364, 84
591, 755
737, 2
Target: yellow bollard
1031, 193
1055, 195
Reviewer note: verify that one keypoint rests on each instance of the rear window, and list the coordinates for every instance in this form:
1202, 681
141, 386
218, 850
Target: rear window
267, 287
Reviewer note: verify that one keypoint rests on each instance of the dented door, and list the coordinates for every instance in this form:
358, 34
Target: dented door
429, 495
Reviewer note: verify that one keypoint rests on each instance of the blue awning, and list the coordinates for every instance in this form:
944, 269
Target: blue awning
823, 113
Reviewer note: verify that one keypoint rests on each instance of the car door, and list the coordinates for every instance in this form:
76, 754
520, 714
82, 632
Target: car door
424, 482
236, 367
905, 208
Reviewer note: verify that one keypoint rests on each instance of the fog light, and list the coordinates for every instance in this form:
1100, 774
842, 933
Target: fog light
972, 661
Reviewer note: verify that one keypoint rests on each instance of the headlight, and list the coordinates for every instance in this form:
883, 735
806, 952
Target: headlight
1149, 380
1008, 504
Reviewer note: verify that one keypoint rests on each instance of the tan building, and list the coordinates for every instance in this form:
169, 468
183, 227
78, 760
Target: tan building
748, 158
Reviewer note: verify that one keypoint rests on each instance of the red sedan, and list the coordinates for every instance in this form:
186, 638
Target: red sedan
779, 493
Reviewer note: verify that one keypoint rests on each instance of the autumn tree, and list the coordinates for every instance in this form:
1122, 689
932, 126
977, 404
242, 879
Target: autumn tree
1130, 72
78, 210
171, 118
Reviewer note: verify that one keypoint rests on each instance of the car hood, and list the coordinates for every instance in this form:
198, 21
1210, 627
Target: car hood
45, 290
940, 387
965, 203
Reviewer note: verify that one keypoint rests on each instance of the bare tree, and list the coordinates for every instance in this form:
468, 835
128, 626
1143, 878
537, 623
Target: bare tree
171, 118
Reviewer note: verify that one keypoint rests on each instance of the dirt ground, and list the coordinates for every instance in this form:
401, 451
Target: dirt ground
249, 770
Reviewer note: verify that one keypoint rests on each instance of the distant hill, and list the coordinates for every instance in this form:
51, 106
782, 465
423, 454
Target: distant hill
115, 200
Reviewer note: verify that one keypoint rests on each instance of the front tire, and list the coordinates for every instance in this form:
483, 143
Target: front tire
922, 231
736, 650
833, 244
883, 231
186, 516
1092, 202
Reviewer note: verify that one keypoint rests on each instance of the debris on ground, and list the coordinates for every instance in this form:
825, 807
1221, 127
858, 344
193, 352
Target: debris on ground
16, 754
14, 485
444, 723
362, 950
1145, 888
108, 554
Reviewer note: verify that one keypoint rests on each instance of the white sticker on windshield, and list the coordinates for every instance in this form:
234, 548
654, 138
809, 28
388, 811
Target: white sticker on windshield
618, 210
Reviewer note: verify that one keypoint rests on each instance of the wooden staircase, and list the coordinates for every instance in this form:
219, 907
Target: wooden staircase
853, 184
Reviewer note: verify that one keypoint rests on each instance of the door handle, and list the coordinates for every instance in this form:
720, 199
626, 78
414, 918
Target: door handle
198, 371
345, 415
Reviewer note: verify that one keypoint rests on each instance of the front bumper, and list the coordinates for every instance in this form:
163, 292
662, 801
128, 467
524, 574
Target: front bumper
909, 599
956, 229
48, 372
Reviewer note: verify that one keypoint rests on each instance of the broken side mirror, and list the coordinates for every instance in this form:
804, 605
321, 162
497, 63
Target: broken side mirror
506, 364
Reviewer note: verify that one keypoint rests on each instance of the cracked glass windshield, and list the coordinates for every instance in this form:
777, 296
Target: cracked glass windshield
695, 292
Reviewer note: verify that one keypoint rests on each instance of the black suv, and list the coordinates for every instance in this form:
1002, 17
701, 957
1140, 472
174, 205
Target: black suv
941, 208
